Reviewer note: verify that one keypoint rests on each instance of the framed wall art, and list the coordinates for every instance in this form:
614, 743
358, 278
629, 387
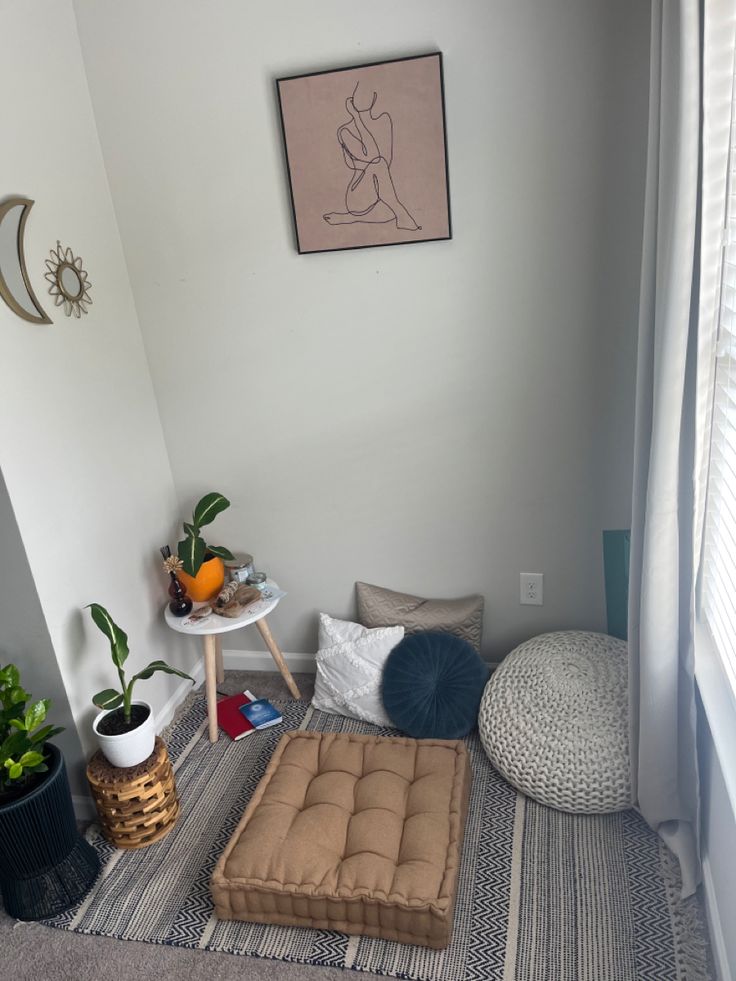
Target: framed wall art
366, 152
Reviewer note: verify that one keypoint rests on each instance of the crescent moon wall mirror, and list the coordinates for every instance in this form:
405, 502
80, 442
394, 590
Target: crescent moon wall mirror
15, 286
69, 283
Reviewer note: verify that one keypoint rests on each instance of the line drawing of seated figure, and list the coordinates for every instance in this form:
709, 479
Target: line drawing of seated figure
367, 144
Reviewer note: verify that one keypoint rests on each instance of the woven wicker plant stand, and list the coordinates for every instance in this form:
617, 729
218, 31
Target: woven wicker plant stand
136, 805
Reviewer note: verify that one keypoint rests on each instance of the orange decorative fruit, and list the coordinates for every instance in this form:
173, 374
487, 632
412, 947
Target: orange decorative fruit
207, 583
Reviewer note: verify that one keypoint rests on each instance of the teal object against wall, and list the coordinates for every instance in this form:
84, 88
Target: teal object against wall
616, 550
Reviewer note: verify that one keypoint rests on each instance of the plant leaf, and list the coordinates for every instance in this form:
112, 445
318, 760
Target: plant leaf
18, 724
191, 551
48, 732
13, 744
108, 699
18, 695
31, 758
36, 714
10, 676
209, 507
155, 666
117, 637
190, 529
15, 771
221, 551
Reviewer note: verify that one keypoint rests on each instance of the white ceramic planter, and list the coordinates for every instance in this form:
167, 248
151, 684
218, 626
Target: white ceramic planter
129, 748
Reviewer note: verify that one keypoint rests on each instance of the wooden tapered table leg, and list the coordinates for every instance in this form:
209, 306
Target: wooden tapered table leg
209, 631
218, 660
265, 632
210, 681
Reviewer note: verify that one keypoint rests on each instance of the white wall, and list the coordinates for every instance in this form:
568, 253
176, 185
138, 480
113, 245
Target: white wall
427, 417
717, 762
624, 105
81, 446
719, 860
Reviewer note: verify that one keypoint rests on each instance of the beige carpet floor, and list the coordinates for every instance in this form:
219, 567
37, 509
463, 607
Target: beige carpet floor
31, 952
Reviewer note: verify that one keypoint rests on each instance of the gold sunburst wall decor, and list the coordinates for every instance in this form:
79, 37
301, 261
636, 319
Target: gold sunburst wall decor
69, 283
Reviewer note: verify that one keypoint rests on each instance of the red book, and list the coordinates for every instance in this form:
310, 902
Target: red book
229, 718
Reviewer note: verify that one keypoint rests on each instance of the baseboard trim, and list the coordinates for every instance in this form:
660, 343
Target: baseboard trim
715, 927
167, 711
262, 661
235, 660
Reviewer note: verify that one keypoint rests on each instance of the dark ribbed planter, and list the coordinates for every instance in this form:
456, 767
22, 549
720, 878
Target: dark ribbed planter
46, 866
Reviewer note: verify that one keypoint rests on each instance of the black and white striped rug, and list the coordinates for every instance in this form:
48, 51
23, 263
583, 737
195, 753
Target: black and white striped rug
543, 896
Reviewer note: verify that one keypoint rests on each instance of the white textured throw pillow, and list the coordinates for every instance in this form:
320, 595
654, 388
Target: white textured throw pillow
350, 663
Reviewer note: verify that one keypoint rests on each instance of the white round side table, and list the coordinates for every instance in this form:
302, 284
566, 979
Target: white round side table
211, 629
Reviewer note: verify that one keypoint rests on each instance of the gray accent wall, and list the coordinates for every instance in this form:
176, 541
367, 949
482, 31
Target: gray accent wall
25, 640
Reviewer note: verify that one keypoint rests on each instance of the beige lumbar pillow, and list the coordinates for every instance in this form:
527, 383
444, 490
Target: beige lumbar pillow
378, 607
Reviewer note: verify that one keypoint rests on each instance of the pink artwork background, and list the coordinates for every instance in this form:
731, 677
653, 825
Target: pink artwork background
408, 105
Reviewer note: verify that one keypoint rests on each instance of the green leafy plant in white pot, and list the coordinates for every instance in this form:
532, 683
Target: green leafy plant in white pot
126, 730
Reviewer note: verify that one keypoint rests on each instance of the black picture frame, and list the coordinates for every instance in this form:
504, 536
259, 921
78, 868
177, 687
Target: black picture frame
380, 224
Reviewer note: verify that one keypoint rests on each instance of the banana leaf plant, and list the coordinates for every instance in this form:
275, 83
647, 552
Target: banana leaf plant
112, 698
22, 735
193, 549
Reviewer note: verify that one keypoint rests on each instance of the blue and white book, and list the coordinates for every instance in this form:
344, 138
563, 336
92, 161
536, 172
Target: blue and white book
261, 714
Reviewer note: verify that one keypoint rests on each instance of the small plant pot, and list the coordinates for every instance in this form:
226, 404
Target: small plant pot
208, 581
128, 748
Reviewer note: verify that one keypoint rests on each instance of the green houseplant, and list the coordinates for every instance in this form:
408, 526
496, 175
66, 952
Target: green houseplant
126, 729
45, 864
23, 755
193, 549
203, 573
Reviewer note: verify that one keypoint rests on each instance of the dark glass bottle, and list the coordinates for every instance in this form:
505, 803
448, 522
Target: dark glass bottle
180, 603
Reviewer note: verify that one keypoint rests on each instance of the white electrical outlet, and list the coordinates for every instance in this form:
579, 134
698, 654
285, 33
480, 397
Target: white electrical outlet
531, 588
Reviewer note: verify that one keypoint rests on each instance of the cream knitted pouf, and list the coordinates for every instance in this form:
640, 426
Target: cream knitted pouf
554, 721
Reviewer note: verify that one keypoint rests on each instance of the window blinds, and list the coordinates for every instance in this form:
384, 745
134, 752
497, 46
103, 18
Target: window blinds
719, 569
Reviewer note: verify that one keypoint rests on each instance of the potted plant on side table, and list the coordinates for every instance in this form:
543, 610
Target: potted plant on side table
45, 864
126, 730
203, 572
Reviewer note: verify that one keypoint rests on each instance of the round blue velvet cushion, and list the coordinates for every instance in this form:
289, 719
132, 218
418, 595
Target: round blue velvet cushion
432, 686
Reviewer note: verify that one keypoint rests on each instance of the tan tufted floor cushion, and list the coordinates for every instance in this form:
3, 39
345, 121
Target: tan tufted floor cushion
361, 834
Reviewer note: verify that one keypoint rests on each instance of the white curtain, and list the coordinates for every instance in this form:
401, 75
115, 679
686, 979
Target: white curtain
684, 213
662, 579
